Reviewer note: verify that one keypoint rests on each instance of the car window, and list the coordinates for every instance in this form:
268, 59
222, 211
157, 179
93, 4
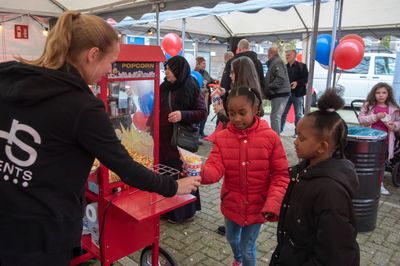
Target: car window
384, 65
362, 68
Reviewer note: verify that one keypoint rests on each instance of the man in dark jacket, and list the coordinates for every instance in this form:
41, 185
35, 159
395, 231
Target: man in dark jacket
298, 75
244, 50
277, 87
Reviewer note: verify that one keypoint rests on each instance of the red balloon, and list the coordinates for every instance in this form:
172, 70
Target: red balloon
139, 120
348, 54
172, 44
354, 37
299, 57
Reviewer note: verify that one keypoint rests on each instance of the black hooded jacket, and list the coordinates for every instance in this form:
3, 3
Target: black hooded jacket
226, 79
51, 129
316, 224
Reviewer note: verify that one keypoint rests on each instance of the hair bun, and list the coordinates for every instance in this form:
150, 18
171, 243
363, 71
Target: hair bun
330, 101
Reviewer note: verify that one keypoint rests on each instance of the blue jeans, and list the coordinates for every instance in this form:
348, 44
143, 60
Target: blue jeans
298, 109
277, 107
243, 241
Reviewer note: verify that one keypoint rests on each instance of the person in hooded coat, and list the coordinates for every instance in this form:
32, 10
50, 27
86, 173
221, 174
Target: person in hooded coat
187, 102
317, 224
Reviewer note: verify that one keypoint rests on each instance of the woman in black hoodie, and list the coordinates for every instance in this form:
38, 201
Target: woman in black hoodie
51, 129
316, 224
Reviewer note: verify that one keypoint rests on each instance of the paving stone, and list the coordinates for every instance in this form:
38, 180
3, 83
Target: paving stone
381, 258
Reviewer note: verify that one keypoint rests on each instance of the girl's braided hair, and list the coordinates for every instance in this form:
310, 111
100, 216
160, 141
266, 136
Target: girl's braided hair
328, 122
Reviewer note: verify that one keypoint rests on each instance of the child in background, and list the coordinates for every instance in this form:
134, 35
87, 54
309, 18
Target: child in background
316, 224
250, 156
380, 111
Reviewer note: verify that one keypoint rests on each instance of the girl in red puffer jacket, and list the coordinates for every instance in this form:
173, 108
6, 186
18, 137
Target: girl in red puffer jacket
250, 156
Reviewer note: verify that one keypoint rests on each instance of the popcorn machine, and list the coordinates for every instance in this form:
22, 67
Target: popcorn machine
121, 219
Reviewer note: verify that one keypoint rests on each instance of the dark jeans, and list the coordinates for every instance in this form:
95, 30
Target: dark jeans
203, 123
298, 110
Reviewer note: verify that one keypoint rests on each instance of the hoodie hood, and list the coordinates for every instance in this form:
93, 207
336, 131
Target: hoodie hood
26, 85
340, 170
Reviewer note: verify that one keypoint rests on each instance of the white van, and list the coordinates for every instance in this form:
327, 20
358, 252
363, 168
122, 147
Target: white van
355, 84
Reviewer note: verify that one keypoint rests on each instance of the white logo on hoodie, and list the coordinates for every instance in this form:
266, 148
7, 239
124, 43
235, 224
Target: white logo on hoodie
12, 139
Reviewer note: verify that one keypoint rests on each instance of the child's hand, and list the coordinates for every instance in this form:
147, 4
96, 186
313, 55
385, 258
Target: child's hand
380, 115
390, 126
218, 106
271, 217
222, 90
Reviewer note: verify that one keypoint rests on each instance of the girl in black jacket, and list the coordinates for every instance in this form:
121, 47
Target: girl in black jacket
317, 225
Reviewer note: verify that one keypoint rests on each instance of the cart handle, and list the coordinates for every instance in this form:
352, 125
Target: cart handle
354, 107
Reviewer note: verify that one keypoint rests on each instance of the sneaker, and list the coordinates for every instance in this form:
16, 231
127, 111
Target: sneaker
236, 263
221, 230
384, 191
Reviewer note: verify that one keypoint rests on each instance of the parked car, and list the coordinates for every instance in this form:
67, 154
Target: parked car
356, 83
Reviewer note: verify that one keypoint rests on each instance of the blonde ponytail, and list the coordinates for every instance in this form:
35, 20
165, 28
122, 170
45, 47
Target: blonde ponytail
73, 34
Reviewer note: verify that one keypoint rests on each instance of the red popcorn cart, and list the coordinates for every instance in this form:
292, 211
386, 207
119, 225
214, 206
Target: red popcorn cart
120, 219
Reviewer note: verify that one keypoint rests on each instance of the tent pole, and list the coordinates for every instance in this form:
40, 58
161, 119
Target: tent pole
312, 57
183, 35
336, 16
158, 24
396, 79
338, 36
305, 55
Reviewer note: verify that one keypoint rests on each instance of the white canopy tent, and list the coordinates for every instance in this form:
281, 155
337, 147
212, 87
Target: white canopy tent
133, 8
364, 17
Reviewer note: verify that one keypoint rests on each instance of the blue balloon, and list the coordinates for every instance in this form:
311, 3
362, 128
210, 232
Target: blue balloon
323, 48
146, 103
197, 76
167, 55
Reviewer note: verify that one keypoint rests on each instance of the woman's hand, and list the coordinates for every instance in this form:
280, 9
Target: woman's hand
174, 117
218, 106
188, 184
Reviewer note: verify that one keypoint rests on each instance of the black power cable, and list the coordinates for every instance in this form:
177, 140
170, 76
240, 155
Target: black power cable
115, 191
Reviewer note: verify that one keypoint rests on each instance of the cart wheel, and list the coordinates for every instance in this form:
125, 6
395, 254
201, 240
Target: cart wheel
396, 175
164, 258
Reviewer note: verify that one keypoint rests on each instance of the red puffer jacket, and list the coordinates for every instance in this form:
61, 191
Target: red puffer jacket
255, 169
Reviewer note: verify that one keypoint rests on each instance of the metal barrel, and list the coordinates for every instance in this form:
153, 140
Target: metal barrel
368, 155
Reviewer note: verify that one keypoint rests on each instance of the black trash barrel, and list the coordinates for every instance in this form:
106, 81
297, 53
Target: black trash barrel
366, 148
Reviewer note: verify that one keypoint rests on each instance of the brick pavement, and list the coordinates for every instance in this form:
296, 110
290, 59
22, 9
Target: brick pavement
197, 243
